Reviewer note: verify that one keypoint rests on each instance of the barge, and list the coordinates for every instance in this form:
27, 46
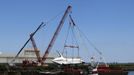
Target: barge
106, 70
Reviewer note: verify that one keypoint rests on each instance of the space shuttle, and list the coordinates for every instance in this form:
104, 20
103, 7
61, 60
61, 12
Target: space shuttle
66, 60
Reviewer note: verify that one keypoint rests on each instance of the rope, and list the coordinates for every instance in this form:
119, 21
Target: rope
53, 18
101, 56
80, 33
76, 32
90, 42
73, 33
66, 38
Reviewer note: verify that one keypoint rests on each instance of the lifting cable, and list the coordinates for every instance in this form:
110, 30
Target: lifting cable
90, 42
73, 33
66, 38
70, 31
72, 28
81, 33
100, 53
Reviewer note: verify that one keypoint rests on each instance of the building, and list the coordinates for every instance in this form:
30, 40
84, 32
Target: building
26, 54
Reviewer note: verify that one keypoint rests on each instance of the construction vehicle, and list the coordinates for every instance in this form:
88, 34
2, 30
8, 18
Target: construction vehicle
39, 59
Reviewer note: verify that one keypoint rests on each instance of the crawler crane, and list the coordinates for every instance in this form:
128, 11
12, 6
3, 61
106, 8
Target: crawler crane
40, 59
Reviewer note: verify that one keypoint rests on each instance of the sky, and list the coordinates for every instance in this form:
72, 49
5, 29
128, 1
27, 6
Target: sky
109, 24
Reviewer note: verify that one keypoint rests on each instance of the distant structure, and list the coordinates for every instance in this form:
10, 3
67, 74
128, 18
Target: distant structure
26, 54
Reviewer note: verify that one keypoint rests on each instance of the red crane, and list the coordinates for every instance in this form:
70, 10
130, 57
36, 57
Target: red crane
68, 10
41, 60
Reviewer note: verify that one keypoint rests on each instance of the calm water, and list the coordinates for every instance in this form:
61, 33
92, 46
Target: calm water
131, 73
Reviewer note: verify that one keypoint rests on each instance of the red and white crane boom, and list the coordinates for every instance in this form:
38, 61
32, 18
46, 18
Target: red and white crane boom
68, 10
